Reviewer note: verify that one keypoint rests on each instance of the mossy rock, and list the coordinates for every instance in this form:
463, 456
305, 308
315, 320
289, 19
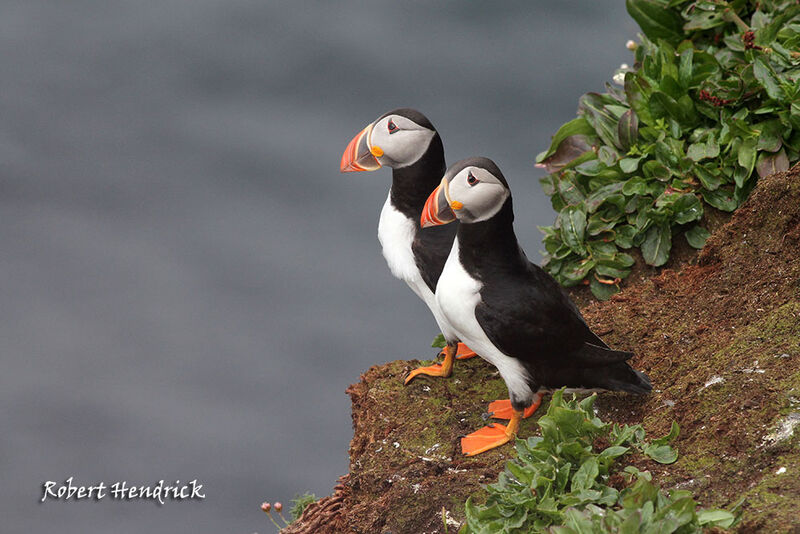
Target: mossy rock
720, 339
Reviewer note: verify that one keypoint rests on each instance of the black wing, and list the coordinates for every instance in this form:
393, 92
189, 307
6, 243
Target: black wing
431, 246
529, 317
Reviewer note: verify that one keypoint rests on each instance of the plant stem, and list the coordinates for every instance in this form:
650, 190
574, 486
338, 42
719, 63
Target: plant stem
274, 522
730, 15
284, 519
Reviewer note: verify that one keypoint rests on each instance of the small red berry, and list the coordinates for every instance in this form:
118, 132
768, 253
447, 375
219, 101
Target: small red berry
278, 507
265, 506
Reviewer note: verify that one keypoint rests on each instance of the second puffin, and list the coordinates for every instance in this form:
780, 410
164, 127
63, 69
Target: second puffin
508, 309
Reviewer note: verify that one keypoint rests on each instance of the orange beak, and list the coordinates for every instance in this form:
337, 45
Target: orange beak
437, 208
357, 156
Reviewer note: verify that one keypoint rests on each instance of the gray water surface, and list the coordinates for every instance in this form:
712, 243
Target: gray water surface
188, 283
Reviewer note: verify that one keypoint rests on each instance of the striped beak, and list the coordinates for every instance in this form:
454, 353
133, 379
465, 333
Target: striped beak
358, 156
437, 208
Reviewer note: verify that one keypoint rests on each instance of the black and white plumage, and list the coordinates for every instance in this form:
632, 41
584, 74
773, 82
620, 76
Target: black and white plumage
405, 140
507, 309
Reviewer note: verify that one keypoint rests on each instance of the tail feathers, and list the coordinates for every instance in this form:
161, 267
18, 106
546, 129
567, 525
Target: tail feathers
622, 377
594, 356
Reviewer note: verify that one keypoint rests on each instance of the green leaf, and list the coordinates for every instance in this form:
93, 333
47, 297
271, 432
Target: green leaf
705, 67
766, 76
664, 106
602, 251
597, 224
704, 20
655, 169
637, 91
682, 511
521, 473
577, 126
715, 518
629, 165
577, 270
747, 157
697, 236
685, 68
767, 34
770, 138
674, 431
687, 208
624, 235
657, 244
635, 186
721, 199
611, 272
594, 107
607, 155
655, 21
772, 163
614, 451
439, 342
613, 268
697, 151
572, 221
700, 151
568, 189
585, 475
590, 168
602, 291
628, 129
669, 85
709, 179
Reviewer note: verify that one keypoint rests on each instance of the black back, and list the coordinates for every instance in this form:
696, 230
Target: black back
528, 316
521, 305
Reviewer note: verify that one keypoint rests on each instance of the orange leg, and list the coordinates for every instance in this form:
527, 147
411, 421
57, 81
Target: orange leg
439, 369
501, 409
464, 352
490, 436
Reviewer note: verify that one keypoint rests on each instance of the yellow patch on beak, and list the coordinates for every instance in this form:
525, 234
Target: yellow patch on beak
376, 151
456, 205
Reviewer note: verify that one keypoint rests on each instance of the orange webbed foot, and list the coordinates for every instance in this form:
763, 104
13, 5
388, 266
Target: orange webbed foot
439, 369
485, 439
434, 370
490, 436
501, 409
464, 352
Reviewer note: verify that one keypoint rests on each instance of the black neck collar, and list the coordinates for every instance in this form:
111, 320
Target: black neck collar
412, 185
491, 244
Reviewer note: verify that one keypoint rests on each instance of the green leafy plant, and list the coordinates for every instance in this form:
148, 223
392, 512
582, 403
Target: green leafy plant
559, 482
712, 103
300, 503
439, 342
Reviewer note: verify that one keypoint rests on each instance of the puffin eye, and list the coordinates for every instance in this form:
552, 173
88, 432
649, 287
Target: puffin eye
471, 180
392, 126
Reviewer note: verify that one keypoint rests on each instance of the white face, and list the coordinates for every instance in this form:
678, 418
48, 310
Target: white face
479, 193
399, 141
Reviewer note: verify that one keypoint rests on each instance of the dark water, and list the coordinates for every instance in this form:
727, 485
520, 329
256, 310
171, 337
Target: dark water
188, 283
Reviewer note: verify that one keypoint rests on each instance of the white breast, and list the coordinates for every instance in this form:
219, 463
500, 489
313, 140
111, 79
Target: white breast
457, 295
396, 233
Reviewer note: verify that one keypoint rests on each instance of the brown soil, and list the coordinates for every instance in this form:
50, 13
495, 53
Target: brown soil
720, 339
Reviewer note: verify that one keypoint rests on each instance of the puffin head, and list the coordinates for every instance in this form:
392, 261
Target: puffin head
396, 139
472, 190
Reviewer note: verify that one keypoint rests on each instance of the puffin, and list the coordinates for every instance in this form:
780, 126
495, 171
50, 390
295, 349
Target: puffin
405, 140
509, 310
